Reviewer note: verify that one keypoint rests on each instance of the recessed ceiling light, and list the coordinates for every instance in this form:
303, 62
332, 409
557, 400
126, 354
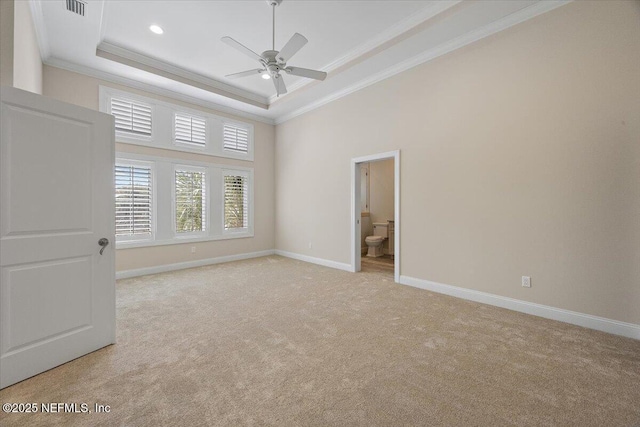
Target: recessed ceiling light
156, 29
266, 76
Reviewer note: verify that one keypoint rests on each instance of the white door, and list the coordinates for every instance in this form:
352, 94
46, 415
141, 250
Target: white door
57, 292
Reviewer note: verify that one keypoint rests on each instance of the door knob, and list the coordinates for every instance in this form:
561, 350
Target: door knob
103, 242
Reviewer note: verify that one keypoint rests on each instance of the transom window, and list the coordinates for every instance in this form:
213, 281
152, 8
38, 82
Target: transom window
149, 122
131, 117
190, 130
235, 138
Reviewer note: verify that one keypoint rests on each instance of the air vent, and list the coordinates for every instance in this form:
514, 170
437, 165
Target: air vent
76, 6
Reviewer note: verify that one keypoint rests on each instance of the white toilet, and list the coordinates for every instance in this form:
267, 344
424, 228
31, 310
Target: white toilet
375, 242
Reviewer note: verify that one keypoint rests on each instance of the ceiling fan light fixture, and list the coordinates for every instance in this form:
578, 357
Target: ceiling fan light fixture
266, 76
156, 29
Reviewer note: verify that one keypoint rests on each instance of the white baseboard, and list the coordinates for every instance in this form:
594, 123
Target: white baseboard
190, 264
603, 324
319, 261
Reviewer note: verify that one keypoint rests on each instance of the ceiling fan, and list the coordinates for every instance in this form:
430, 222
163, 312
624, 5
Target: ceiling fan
273, 61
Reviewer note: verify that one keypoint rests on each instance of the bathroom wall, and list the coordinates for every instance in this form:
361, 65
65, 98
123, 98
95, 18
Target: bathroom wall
366, 229
381, 193
364, 187
381, 190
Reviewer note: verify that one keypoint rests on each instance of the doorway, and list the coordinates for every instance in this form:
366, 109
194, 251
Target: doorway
357, 190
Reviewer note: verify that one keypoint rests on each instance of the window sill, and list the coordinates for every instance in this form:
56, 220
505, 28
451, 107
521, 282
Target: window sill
181, 240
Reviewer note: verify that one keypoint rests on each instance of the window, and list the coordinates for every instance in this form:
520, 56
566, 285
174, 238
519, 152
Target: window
235, 138
163, 201
149, 122
190, 200
131, 117
190, 130
236, 202
134, 207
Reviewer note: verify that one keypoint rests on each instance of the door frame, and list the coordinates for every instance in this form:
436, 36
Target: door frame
355, 209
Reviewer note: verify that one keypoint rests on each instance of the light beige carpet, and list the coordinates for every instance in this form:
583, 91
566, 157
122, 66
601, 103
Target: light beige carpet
273, 341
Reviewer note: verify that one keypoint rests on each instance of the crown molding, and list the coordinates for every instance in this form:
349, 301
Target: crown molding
103, 75
146, 63
454, 44
389, 34
41, 29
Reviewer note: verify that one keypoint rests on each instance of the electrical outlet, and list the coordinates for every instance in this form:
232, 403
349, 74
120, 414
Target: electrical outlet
310, 245
193, 249
526, 281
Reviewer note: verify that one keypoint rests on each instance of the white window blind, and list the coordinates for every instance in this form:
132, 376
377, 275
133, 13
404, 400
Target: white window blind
190, 130
131, 117
236, 202
190, 200
235, 138
133, 201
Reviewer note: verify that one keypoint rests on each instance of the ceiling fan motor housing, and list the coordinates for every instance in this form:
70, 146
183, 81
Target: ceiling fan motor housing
271, 63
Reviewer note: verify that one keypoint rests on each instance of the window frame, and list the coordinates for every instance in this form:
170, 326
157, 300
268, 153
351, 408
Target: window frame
123, 161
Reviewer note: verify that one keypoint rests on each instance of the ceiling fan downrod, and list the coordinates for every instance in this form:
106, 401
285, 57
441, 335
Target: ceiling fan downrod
273, 4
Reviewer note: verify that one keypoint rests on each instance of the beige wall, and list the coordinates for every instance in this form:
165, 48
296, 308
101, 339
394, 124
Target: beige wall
20, 64
381, 190
520, 155
83, 90
381, 201
27, 65
6, 42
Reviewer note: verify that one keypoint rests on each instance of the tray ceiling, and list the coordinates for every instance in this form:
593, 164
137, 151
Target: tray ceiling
356, 42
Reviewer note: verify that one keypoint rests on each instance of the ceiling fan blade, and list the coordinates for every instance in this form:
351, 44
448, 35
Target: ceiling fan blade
305, 72
294, 44
245, 73
240, 47
278, 82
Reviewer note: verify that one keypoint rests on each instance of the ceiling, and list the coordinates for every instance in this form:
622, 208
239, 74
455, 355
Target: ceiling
356, 42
